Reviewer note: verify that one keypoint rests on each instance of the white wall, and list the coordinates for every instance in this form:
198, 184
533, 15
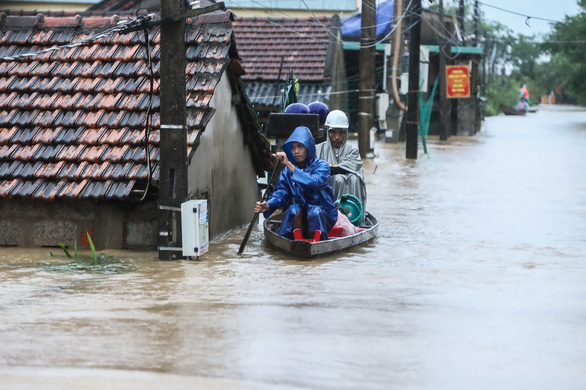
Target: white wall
47, 5
221, 169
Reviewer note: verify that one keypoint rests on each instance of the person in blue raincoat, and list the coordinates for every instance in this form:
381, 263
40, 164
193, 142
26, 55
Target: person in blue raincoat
305, 185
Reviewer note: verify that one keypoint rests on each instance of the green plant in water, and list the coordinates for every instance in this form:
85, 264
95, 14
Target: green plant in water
97, 263
66, 251
92, 248
75, 257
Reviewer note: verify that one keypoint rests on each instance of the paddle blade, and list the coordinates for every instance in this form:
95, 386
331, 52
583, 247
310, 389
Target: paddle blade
245, 240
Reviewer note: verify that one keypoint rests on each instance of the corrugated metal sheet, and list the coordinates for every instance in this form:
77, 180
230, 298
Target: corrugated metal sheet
269, 94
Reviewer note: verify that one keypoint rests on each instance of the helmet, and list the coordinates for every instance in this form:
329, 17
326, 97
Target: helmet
321, 109
337, 120
297, 108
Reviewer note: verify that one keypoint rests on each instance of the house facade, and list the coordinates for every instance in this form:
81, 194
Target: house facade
80, 130
47, 5
291, 8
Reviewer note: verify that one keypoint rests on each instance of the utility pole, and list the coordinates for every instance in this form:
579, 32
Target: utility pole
476, 22
413, 96
366, 95
173, 143
461, 12
445, 48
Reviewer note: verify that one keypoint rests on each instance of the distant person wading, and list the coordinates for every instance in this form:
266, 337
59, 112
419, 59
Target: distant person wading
523, 104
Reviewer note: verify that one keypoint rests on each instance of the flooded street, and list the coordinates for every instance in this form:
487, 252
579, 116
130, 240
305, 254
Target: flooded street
477, 280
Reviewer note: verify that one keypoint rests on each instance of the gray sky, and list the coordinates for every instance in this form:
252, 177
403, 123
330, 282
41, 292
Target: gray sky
547, 9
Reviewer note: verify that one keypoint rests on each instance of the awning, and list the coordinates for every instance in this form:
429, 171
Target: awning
351, 26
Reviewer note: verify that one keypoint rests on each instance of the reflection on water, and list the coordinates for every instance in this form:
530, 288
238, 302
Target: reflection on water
476, 280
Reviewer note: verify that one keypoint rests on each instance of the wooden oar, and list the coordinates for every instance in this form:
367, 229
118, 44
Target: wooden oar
255, 217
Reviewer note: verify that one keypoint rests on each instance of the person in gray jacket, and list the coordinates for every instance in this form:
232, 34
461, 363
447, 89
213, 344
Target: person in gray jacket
344, 159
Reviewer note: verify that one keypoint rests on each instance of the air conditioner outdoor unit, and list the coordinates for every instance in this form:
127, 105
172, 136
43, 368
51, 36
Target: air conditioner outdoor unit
194, 227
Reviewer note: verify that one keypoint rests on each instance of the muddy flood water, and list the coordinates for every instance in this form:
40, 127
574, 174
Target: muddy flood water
477, 280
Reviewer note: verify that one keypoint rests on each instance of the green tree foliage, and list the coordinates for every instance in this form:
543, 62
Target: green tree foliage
497, 40
525, 53
557, 64
567, 46
502, 84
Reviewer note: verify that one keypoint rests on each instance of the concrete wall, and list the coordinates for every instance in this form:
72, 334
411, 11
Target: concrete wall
221, 169
114, 225
467, 123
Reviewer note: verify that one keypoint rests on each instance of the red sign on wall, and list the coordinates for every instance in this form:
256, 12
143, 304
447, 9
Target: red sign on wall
458, 81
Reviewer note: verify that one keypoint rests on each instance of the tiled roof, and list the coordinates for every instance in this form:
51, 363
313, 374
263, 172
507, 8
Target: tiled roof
72, 121
302, 45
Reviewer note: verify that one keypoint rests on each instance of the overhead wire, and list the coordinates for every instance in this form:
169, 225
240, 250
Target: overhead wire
397, 24
403, 14
87, 41
288, 16
518, 13
442, 37
376, 25
439, 34
290, 29
352, 79
392, 29
320, 23
148, 114
122, 26
336, 37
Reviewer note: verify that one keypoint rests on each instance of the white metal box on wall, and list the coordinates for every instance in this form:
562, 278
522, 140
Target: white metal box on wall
382, 105
423, 69
423, 73
194, 227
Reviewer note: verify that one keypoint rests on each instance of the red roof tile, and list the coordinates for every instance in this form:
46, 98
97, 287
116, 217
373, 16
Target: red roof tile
302, 44
72, 120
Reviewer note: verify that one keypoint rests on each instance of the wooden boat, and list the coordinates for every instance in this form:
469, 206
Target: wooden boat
510, 110
306, 249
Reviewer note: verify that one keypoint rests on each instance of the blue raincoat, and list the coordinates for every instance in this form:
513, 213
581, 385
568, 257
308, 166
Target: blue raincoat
308, 188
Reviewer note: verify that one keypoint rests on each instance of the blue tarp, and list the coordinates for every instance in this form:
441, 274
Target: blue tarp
384, 17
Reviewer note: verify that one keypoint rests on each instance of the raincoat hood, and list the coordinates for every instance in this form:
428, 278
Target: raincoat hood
303, 136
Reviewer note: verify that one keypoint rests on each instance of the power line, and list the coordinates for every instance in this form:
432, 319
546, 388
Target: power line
537, 42
261, 5
287, 28
394, 28
321, 24
528, 17
121, 28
